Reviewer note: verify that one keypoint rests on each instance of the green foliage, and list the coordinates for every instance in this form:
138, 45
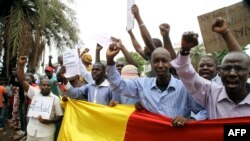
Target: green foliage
27, 25
219, 55
138, 59
196, 54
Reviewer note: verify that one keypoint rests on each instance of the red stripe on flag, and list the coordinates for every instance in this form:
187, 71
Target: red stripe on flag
146, 126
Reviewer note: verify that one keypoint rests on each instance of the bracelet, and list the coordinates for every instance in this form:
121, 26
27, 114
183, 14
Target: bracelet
142, 24
110, 62
225, 31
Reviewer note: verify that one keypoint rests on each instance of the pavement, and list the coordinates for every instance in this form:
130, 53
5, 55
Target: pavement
9, 134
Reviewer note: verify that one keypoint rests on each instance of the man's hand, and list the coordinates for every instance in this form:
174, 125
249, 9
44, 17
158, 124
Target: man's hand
135, 11
64, 98
138, 106
44, 121
112, 103
189, 40
60, 75
118, 42
180, 121
98, 47
112, 51
22, 60
220, 25
164, 29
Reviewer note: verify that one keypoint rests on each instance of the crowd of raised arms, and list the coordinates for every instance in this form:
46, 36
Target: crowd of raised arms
172, 88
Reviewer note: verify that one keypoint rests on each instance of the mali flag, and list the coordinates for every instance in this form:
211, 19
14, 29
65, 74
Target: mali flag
84, 121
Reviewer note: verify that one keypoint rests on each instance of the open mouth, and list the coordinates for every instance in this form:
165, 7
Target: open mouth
205, 74
160, 72
232, 84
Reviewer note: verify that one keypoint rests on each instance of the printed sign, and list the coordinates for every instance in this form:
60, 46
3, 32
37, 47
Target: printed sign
130, 16
71, 63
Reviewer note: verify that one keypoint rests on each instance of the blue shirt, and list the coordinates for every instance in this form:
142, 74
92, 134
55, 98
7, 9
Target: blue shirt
174, 101
128, 100
100, 94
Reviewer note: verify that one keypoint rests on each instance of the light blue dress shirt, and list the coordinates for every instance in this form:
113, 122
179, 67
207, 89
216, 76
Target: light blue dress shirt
100, 94
174, 101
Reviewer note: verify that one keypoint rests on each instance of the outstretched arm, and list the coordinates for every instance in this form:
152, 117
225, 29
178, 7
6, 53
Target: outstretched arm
198, 86
125, 52
143, 29
20, 72
164, 29
136, 45
50, 62
97, 53
220, 26
117, 83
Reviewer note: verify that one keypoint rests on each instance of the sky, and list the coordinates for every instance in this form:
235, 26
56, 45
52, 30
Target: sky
109, 17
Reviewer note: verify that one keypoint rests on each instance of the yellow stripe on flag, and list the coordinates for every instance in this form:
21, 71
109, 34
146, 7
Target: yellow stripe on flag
84, 121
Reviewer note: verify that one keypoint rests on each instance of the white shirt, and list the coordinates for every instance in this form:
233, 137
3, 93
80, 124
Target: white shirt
34, 125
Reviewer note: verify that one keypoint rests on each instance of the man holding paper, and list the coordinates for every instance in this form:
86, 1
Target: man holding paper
45, 109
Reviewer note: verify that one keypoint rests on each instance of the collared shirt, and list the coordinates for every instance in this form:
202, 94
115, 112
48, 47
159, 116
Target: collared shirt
211, 95
128, 100
100, 94
34, 125
174, 101
217, 79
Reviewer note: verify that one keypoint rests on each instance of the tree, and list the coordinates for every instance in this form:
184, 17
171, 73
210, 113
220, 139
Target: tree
219, 55
137, 58
196, 54
27, 26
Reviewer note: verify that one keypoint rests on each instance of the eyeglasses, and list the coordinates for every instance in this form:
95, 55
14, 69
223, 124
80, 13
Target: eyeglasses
237, 68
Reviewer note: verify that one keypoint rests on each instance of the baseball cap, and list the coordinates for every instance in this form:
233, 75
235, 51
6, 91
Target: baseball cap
129, 71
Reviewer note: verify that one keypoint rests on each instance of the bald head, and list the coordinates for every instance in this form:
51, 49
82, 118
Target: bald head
160, 51
160, 64
237, 56
157, 42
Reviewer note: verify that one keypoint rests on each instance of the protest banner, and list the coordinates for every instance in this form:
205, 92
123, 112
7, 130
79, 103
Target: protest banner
238, 17
95, 122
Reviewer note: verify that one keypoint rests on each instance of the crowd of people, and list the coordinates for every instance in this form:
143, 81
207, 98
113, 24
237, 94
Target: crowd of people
172, 88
